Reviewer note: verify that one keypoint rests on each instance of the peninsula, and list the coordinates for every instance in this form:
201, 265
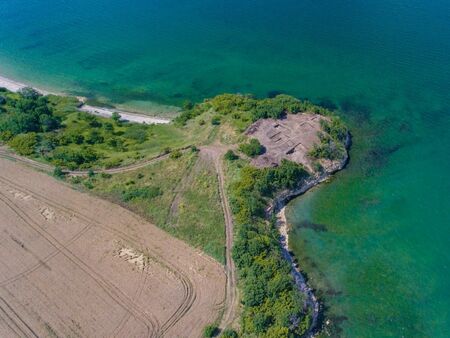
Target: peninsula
214, 178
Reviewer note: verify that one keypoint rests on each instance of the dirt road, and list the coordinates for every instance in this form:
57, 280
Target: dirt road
215, 154
75, 265
6, 153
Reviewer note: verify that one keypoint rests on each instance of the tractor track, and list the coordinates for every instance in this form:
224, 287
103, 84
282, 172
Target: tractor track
24, 329
188, 287
115, 294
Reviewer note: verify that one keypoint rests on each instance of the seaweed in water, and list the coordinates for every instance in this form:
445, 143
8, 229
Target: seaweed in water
326, 103
357, 111
272, 93
313, 226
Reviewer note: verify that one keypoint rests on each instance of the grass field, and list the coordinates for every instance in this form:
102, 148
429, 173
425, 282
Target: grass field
179, 195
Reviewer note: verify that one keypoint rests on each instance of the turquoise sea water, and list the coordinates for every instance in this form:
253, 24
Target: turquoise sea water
375, 240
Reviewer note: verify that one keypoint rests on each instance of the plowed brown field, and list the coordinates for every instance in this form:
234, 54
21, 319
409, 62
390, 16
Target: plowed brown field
72, 265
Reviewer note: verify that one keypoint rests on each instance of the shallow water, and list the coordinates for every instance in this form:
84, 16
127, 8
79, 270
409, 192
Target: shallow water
376, 237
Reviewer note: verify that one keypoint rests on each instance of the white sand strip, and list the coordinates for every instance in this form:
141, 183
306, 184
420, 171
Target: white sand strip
15, 86
125, 116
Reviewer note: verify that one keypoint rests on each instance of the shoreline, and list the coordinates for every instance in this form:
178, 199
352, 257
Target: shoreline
15, 86
277, 207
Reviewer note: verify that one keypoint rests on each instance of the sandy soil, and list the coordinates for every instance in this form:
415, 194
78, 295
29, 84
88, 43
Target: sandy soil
15, 86
288, 138
126, 116
74, 265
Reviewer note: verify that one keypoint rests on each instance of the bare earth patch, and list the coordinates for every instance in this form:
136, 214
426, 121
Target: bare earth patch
77, 266
289, 138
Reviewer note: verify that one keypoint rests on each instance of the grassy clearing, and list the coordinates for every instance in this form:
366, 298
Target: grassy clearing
179, 195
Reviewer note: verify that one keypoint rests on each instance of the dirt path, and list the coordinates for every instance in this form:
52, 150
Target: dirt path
5, 153
215, 153
65, 272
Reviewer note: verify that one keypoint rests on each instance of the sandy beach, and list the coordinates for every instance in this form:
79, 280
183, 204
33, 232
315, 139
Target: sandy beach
15, 86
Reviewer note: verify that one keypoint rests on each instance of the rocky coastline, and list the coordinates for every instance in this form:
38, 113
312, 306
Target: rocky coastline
277, 207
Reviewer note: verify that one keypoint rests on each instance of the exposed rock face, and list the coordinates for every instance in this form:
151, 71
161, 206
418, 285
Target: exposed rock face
285, 196
277, 206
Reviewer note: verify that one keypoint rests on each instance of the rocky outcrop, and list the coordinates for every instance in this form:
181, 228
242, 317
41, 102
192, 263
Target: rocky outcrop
277, 207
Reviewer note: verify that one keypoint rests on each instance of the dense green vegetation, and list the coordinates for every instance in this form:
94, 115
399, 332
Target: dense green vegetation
242, 110
332, 140
51, 129
272, 305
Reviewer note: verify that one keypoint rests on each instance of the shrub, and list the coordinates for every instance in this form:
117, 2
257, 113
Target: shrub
24, 144
88, 184
105, 175
136, 132
229, 333
335, 128
29, 93
328, 149
252, 149
141, 193
230, 155
57, 172
76, 180
187, 105
116, 116
112, 163
94, 137
215, 121
49, 122
74, 158
272, 306
108, 127
6, 135
175, 154
210, 331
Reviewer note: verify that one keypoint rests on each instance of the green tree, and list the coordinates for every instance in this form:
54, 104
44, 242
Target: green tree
215, 121
252, 149
24, 144
116, 117
58, 172
230, 155
94, 137
229, 333
210, 331
29, 93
